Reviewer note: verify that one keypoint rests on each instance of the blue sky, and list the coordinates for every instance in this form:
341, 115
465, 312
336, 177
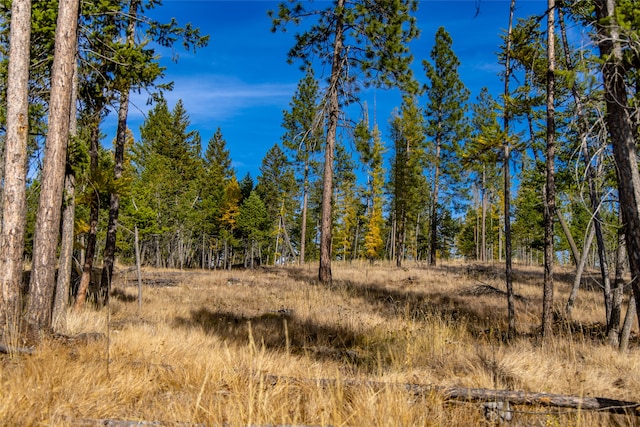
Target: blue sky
242, 82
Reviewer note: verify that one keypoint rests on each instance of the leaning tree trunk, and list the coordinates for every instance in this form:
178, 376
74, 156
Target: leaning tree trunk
579, 270
324, 272
550, 188
622, 131
14, 197
47, 228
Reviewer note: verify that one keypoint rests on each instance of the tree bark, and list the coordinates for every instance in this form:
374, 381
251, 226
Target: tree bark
434, 208
14, 199
622, 131
61, 299
305, 204
550, 187
47, 228
579, 270
613, 325
626, 326
324, 273
575, 253
508, 273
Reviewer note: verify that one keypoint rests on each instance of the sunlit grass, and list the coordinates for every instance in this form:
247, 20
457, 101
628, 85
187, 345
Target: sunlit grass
207, 346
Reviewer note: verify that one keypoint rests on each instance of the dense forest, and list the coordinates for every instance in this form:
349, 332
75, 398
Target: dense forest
543, 173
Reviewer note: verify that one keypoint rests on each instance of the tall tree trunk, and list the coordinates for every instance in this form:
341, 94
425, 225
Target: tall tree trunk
434, 208
483, 248
622, 131
121, 138
14, 199
305, 204
47, 228
94, 210
511, 311
617, 295
324, 272
63, 283
550, 187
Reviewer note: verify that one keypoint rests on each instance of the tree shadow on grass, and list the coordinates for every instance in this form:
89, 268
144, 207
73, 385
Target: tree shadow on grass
281, 331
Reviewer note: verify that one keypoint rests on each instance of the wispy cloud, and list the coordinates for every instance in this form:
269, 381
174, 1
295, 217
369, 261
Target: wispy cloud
219, 97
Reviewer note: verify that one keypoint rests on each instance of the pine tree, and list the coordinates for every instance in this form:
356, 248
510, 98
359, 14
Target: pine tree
373, 241
15, 159
348, 37
253, 223
480, 156
348, 207
304, 126
445, 122
42, 282
407, 183
169, 167
277, 187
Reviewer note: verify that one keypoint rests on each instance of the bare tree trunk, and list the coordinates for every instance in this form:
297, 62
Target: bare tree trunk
550, 188
613, 326
324, 272
61, 300
305, 204
14, 197
622, 131
434, 207
628, 323
47, 228
579, 270
511, 313
121, 137
483, 248
575, 253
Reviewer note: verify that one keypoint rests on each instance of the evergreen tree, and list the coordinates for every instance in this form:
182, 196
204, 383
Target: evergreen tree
480, 156
228, 220
373, 241
169, 168
15, 159
407, 183
445, 122
304, 126
347, 37
253, 224
348, 207
277, 188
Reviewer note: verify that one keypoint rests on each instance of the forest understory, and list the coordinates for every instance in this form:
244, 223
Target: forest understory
272, 346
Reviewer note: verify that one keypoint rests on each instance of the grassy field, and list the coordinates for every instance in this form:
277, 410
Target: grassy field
206, 347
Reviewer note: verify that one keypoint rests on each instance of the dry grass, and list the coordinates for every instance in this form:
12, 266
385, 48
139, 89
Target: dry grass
206, 344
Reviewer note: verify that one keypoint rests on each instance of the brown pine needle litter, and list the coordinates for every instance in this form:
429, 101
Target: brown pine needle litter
208, 344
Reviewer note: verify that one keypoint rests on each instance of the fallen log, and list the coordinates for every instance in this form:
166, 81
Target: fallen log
601, 404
